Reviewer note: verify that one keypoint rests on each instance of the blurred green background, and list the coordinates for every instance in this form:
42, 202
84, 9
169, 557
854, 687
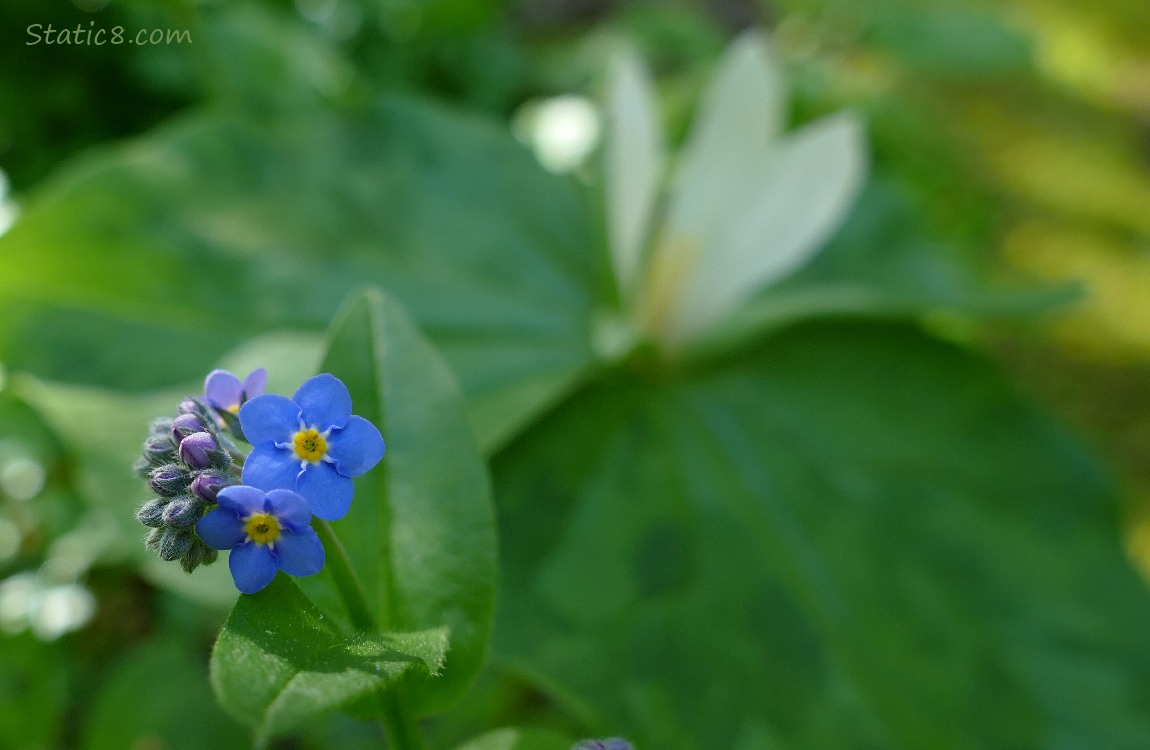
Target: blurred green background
906, 511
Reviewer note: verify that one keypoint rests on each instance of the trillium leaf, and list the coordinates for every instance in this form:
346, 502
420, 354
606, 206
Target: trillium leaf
633, 153
798, 196
421, 529
790, 551
518, 739
178, 718
279, 662
281, 220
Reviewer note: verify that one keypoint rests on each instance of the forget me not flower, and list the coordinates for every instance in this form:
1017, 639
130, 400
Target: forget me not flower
310, 443
225, 392
266, 532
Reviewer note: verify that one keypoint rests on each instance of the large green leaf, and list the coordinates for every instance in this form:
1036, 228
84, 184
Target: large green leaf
149, 260
279, 662
854, 537
518, 739
421, 530
162, 687
33, 691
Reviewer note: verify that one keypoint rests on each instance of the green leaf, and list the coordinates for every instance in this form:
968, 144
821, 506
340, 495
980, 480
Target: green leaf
34, 680
279, 220
518, 739
952, 43
159, 695
852, 537
280, 662
421, 530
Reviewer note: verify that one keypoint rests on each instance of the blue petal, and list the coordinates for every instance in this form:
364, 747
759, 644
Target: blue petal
292, 511
241, 500
222, 389
323, 402
326, 491
271, 468
300, 554
269, 418
356, 448
254, 383
252, 566
221, 529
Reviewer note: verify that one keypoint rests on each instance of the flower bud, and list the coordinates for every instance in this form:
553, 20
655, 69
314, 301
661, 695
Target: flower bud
185, 425
159, 449
175, 542
189, 406
194, 556
151, 513
142, 467
208, 484
196, 450
160, 426
169, 480
183, 512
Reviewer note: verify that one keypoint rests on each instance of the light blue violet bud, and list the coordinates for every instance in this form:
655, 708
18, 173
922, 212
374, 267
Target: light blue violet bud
310, 443
186, 424
174, 543
611, 743
183, 512
151, 513
169, 480
266, 532
196, 450
208, 484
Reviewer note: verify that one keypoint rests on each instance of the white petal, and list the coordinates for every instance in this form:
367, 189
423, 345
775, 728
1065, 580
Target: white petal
800, 195
741, 114
633, 150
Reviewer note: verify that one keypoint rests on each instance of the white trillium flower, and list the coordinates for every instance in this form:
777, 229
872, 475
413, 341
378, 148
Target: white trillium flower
748, 206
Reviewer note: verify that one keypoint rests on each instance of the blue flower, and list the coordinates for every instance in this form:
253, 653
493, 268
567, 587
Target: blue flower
310, 443
612, 743
266, 532
225, 392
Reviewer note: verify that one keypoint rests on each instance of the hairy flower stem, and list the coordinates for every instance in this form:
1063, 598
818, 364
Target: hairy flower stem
345, 579
399, 725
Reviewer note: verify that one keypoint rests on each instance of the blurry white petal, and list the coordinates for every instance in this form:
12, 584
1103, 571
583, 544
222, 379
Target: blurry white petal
742, 112
800, 196
633, 151
63, 609
19, 597
562, 130
22, 478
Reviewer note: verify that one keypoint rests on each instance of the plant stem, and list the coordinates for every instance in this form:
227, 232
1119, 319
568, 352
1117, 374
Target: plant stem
346, 581
399, 725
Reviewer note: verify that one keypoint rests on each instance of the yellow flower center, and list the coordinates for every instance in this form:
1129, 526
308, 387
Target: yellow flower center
309, 445
262, 528
234, 409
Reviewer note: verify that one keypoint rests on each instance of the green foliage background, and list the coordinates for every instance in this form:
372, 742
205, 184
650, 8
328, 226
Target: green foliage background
902, 508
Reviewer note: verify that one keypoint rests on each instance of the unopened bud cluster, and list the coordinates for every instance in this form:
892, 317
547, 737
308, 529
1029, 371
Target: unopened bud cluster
187, 462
